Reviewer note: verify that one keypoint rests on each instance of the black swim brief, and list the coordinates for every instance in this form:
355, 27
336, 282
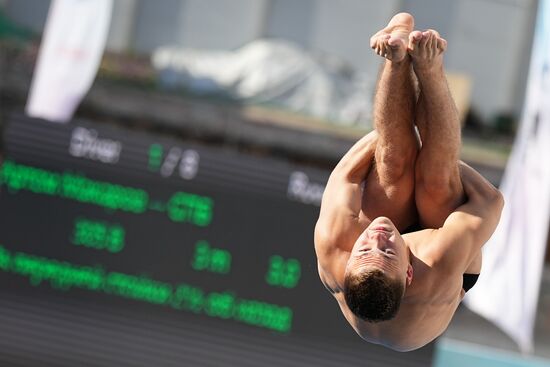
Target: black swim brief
413, 228
468, 281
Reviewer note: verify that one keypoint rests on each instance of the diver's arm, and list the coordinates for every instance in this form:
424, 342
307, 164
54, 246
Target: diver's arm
338, 225
342, 197
467, 229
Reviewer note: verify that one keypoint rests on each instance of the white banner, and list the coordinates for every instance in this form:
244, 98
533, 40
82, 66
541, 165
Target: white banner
72, 46
508, 288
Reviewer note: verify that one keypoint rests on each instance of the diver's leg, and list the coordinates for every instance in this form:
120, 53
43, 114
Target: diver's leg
390, 186
438, 189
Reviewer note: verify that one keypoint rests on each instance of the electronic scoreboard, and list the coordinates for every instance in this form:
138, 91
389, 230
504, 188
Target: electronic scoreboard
125, 248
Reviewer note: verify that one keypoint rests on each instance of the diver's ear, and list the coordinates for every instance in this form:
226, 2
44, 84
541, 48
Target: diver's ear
409, 274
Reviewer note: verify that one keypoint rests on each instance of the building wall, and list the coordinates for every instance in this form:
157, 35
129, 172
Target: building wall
291, 20
221, 24
345, 31
122, 25
433, 14
489, 40
156, 24
28, 13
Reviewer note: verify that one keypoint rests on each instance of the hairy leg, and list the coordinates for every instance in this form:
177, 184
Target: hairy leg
389, 188
438, 188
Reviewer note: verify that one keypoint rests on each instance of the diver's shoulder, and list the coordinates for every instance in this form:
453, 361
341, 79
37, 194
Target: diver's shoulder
428, 247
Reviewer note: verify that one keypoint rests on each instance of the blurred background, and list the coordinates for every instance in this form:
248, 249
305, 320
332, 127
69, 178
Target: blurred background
238, 109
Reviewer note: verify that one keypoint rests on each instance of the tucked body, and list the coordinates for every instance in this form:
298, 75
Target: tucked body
395, 285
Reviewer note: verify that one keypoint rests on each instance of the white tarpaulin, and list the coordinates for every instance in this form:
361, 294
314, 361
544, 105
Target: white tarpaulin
72, 45
273, 72
508, 288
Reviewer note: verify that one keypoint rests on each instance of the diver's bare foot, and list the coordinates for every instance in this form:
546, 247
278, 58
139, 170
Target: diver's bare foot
392, 41
426, 50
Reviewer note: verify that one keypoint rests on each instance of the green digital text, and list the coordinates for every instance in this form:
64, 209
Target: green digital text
63, 275
181, 207
73, 186
283, 273
98, 235
185, 207
155, 157
211, 259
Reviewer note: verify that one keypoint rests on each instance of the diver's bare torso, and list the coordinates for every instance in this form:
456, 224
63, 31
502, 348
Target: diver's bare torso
427, 307
439, 257
436, 290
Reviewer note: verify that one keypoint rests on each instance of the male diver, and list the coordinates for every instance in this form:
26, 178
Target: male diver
397, 284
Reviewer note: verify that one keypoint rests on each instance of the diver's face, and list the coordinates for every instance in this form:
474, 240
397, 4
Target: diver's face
381, 247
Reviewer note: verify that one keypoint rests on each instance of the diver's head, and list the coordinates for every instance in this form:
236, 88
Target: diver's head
378, 272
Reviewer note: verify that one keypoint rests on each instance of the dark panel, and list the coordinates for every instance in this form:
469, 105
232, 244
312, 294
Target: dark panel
124, 248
